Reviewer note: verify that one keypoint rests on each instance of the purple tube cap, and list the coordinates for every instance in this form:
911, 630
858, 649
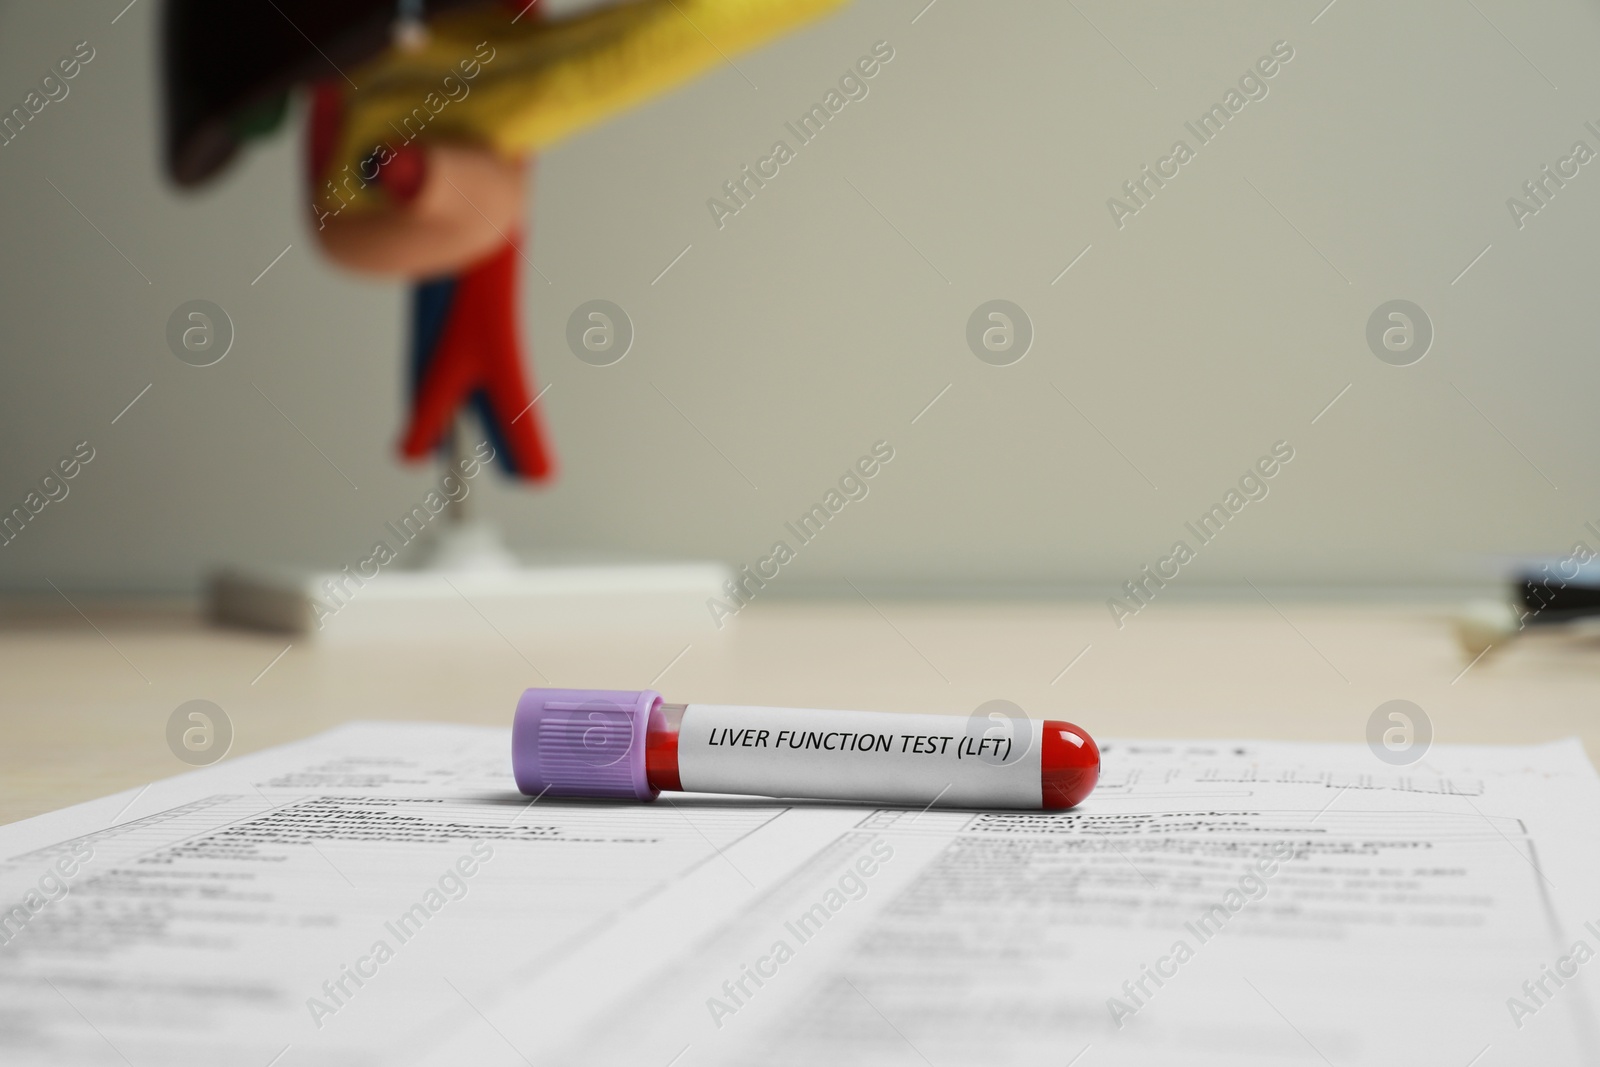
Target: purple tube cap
582, 742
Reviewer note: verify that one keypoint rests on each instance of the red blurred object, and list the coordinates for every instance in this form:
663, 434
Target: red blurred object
478, 353
403, 175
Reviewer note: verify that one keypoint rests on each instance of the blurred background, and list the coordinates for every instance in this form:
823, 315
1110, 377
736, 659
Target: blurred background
1170, 352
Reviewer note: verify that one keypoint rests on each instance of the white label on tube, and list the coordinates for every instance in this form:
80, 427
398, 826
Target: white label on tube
861, 755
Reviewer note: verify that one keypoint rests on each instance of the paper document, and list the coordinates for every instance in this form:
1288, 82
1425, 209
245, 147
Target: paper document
381, 895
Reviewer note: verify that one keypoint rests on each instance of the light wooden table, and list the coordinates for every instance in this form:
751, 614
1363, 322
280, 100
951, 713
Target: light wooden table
85, 701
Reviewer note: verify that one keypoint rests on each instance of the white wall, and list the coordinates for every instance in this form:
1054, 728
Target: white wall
1213, 325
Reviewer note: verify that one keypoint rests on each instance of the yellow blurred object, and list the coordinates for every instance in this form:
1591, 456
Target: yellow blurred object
520, 86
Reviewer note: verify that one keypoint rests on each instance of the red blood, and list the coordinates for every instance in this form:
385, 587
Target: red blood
1069, 766
661, 753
